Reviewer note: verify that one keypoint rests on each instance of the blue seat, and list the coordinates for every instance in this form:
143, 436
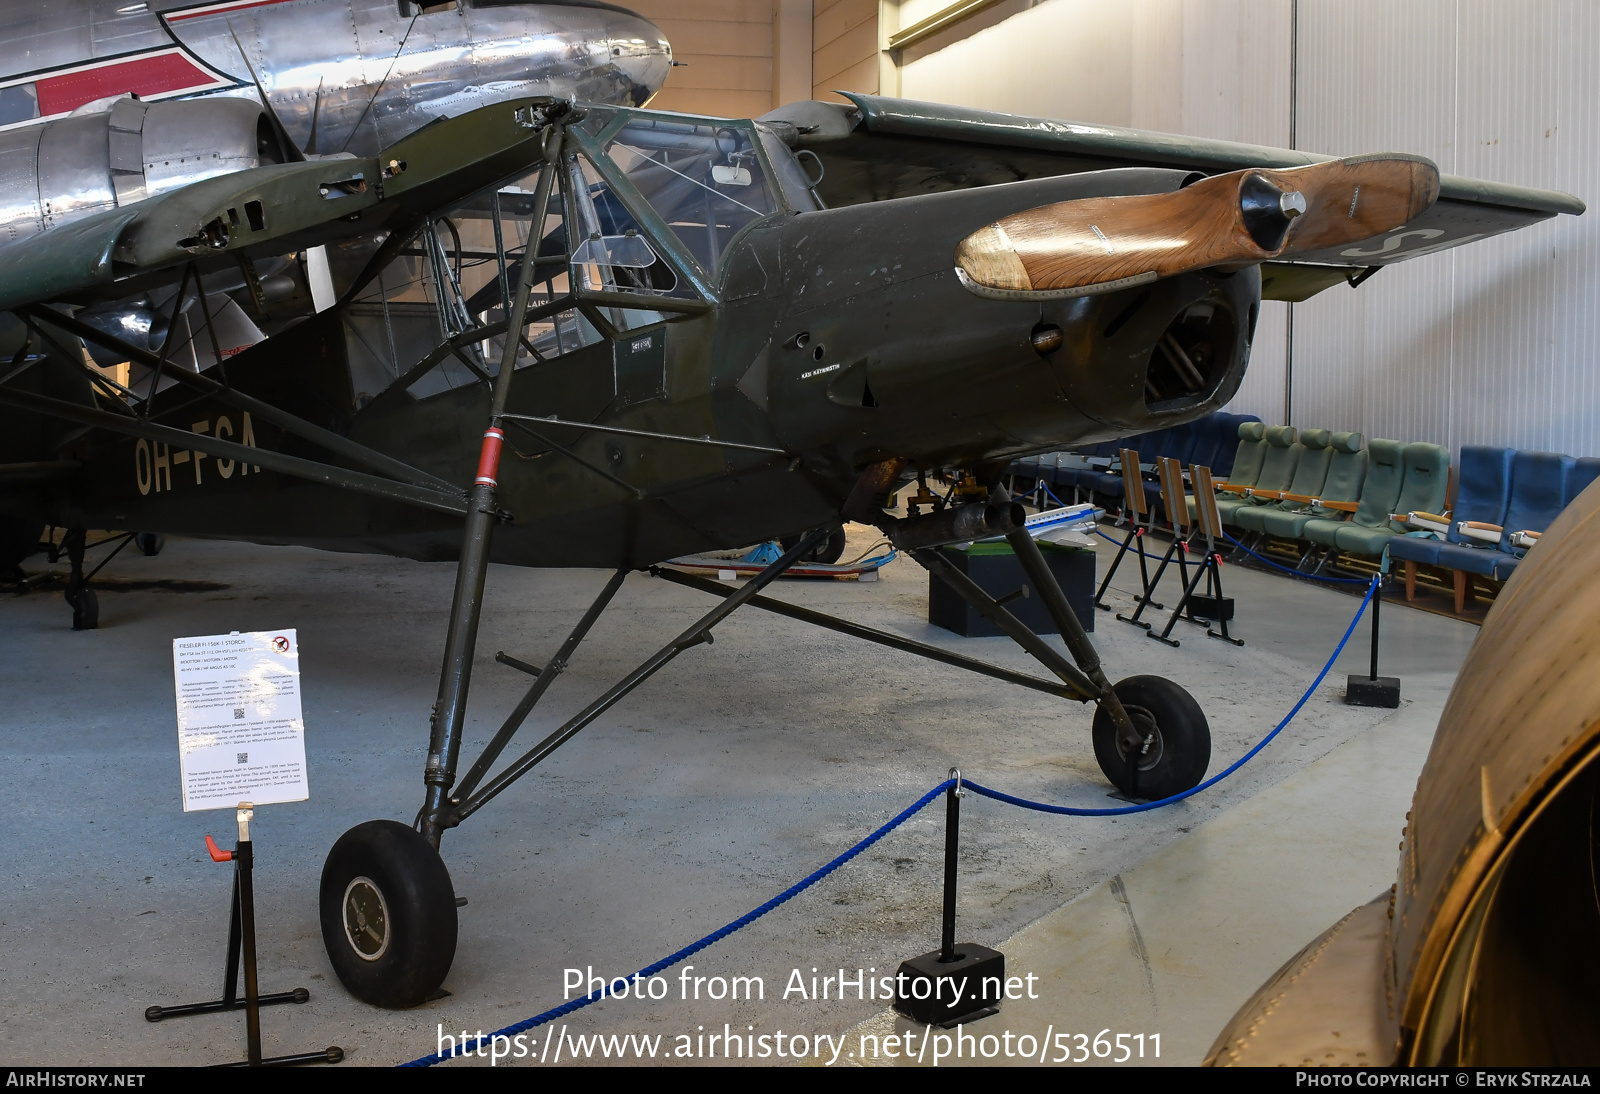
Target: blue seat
1482, 493
1179, 444
1211, 433
1583, 472
1538, 494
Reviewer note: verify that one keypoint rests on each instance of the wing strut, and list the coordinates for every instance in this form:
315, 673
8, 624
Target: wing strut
387, 489
289, 423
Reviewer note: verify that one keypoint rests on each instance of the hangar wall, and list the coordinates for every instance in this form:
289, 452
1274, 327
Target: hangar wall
1491, 343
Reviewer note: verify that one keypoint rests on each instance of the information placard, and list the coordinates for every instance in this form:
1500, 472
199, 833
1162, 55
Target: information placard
240, 733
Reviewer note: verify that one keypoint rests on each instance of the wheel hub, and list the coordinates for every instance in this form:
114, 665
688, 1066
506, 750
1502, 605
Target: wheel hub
366, 919
1148, 751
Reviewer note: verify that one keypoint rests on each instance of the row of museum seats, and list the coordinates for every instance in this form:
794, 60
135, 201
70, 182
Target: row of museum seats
1504, 499
1210, 442
1323, 489
1335, 495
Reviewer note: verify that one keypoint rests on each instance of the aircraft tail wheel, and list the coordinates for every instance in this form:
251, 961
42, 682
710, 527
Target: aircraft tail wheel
85, 609
825, 553
150, 543
388, 914
1176, 748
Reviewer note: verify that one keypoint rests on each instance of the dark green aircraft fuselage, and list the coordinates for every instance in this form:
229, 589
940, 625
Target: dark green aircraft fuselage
841, 337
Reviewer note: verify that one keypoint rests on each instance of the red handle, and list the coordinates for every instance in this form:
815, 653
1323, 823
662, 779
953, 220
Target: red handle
217, 853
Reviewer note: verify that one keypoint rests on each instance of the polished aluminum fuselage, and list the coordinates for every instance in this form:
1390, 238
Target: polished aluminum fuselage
341, 75
372, 91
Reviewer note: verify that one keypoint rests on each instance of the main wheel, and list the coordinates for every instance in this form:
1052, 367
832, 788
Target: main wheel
825, 553
150, 543
19, 538
388, 914
1176, 748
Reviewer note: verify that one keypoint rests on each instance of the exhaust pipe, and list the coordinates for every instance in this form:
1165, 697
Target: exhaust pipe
960, 524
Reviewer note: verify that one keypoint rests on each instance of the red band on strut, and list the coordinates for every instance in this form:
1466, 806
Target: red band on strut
489, 459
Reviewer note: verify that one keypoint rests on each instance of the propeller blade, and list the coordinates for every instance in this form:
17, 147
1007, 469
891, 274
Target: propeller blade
290, 149
1093, 245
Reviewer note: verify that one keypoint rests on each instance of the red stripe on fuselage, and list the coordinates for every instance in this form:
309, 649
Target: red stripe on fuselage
217, 9
146, 76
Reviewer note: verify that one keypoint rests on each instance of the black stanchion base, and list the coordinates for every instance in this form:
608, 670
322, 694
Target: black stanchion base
974, 982
1363, 691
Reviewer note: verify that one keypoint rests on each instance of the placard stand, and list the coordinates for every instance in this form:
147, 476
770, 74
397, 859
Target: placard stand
242, 942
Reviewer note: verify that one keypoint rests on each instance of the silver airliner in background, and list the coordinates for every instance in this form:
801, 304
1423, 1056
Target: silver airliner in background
106, 102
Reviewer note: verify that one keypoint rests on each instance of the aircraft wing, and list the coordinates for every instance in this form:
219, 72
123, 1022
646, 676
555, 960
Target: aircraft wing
269, 211
879, 148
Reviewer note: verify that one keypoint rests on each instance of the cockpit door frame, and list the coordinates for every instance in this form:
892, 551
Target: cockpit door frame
658, 232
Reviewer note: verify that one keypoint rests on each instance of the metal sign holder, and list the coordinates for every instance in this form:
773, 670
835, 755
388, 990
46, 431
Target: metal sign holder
242, 942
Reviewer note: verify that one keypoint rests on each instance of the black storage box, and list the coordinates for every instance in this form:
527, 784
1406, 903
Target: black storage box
995, 568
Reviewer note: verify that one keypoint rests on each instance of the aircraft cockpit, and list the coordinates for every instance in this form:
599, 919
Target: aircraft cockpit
642, 212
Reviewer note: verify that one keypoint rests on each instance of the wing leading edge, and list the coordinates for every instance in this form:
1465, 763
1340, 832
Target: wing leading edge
879, 148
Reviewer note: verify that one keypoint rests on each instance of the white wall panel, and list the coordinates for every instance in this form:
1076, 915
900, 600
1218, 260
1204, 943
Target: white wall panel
1493, 343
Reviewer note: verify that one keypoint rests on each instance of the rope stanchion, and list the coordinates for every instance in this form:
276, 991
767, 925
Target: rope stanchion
899, 819
695, 947
1294, 573
1070, 811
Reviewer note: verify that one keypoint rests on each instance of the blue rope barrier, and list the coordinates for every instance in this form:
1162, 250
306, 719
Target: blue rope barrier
1070, 811
904, 815
1294, 573
695, 947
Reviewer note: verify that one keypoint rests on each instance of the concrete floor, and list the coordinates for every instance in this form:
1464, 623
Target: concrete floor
737, 771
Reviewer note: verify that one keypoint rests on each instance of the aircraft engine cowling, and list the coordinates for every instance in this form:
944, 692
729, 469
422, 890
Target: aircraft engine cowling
60, 170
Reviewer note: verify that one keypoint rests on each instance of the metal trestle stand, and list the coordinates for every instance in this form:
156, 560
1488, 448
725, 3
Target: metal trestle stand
242, 943
953, 984
1138, 525
1172, 500
1213, 606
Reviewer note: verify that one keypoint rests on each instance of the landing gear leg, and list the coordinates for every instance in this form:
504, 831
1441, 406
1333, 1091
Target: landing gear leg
85, 605
1130, 732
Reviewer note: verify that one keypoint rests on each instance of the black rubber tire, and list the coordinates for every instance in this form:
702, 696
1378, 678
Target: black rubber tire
420, 902
85, 609
150, 543
19, 538
1179, 755
825, 553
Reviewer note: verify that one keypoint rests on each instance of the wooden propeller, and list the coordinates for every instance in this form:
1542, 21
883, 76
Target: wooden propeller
1091, 245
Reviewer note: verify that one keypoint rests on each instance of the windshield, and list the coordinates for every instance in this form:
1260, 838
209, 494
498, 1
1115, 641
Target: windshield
703, 179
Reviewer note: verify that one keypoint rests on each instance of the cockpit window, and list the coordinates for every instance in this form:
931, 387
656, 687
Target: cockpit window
609, 250
792, 179
703, 179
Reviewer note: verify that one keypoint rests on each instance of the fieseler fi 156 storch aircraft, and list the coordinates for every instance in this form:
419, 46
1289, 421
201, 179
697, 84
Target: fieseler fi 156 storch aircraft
563, 333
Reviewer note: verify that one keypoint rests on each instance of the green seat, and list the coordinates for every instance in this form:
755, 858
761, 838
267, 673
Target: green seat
1310, 471
1423, 488
1379, 492
1246, 463
1277, 472
1347, 471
